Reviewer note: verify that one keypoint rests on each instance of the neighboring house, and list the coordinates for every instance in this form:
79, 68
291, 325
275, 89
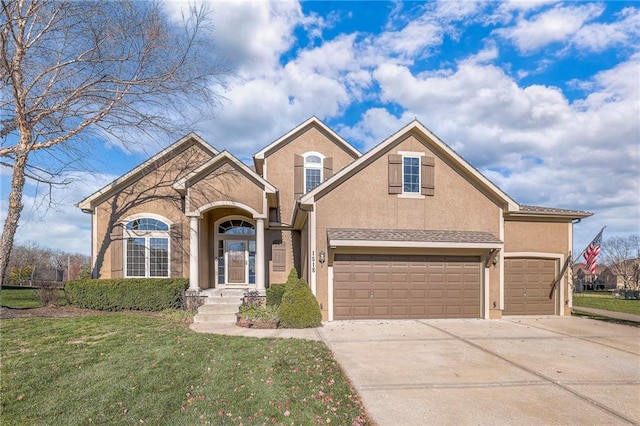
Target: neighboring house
602, 279
408, 230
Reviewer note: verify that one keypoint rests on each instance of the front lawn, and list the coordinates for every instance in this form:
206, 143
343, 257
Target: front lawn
606, 301
129, 368
25, 298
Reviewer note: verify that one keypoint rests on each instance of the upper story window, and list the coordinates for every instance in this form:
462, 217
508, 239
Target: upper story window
146, 251
411, 175
312, 170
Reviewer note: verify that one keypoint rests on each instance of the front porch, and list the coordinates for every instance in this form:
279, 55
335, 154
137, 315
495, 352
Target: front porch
227, 248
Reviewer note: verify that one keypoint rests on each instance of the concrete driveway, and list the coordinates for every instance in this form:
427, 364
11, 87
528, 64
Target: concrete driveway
515, 371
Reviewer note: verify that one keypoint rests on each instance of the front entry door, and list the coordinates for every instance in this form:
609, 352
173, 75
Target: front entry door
236, 257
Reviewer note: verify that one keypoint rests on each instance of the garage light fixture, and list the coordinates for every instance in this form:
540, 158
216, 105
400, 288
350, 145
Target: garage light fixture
322, 257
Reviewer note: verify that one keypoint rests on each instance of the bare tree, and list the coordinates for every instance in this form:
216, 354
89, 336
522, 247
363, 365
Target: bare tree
74, 72
28, 259
622, 255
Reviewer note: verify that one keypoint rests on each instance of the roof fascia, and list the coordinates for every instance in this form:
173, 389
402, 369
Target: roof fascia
87, 203
222, 157
547, 216
260, 155
437, 143
412, 244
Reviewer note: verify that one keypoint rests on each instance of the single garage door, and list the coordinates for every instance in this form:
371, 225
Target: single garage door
527, 284
391, 286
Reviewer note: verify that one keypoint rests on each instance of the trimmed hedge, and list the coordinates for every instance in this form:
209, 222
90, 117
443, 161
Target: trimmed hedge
138, 294
299, 308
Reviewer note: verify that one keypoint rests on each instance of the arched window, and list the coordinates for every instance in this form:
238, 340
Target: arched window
147, 224
147, 248
312, 170
236, 227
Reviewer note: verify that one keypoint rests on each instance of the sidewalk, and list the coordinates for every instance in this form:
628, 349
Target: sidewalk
609, 314
234, 330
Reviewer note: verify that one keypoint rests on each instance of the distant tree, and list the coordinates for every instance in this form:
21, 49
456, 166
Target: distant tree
74, 72
27, 259
622, 255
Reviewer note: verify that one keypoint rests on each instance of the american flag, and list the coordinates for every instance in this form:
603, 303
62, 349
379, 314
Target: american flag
591, 253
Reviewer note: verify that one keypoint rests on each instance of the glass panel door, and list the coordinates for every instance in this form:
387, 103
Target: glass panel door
236, 261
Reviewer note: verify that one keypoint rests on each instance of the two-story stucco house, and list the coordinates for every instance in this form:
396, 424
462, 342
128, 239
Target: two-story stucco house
408, 230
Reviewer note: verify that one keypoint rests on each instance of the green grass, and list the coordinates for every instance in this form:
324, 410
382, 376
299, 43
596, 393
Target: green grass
129, 368
606, 301
24, 298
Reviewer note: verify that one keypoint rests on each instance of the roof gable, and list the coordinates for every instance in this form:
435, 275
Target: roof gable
434, 143
214, 163
258, 157
137, 172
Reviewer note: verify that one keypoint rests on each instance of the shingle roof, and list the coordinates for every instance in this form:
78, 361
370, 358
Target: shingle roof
412, 235
552, 211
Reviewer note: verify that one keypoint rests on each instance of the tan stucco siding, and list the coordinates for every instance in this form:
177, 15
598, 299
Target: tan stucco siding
280, 164
494, 290
150, 193
226, 183
536, 237
363, 201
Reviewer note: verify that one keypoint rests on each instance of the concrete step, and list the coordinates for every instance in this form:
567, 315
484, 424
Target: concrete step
223, 301
214, 319
220, 306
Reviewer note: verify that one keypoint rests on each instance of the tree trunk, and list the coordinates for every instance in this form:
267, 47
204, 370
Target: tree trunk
13, 213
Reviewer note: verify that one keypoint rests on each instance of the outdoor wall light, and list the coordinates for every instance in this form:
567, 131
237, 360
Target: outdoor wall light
322, 257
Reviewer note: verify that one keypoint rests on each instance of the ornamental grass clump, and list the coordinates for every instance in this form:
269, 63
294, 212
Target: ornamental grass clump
299, 308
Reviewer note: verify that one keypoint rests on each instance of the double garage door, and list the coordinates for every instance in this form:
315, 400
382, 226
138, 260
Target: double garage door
394, 287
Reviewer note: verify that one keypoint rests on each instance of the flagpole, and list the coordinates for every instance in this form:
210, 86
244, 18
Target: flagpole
587, 246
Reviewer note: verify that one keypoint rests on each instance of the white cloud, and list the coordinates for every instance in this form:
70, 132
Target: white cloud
411, 41
375, 125
597, 37
554, 25
249, 36
457, 10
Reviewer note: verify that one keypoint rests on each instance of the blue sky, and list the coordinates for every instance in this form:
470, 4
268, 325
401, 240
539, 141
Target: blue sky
542, 97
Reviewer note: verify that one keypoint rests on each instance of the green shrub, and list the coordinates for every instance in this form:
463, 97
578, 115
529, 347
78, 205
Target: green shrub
299, 308
275, 293
142, 294
293, 276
